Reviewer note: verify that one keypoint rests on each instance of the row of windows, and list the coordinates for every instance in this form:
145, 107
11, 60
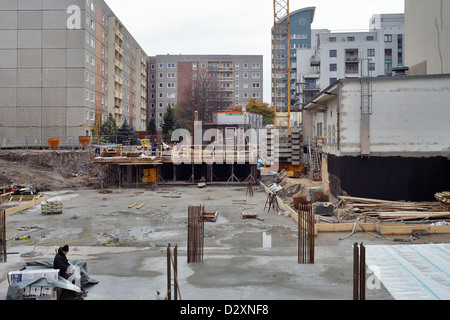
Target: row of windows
334, 53
172, 85
203, 65
172, 75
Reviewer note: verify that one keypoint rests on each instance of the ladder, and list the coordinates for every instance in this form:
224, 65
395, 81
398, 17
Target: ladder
314, 152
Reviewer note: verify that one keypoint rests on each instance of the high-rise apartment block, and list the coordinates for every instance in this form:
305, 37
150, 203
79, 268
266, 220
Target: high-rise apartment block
239, 77
350, 54
300, 38
64, 65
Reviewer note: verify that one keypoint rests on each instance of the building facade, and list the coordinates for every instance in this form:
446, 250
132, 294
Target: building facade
240, 78
341, 55
299, 38
55, 71
427, 26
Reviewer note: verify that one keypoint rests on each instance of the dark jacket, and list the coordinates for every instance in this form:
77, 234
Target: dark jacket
61, 263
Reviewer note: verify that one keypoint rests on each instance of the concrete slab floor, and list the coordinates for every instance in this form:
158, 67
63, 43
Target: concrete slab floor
125, 248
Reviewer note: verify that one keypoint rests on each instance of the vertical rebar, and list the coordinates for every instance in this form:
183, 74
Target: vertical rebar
175, 271
355, 271
3, 255
362, 272
359, 271
195, 234
306, 234
169, 276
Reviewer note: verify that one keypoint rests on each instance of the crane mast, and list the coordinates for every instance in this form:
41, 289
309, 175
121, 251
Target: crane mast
282, 65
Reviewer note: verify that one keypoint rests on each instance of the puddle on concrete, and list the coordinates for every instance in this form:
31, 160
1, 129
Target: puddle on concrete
276, 237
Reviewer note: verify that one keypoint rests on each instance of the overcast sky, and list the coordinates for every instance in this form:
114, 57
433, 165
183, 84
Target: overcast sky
232, 26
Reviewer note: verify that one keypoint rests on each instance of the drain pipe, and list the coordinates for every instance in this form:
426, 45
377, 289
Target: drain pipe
339, 116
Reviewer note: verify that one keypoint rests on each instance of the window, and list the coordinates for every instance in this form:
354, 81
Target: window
171, 75
388, 54
171, 95
333, 53
171, 65
370, 38
332, 39
171, 85
333, 67
388, 67
299, 45
256, 66
256, 85
300, 36
245, 85
371, 52
332, 80
371, 66
388, 38
256, 95
256, 75
351, 39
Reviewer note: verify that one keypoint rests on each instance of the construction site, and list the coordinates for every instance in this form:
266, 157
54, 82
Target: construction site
250, 235
225, 212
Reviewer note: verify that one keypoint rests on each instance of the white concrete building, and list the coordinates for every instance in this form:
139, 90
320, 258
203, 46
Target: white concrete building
396, 147
350, 54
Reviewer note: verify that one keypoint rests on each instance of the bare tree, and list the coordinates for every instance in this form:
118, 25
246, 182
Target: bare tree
202, 93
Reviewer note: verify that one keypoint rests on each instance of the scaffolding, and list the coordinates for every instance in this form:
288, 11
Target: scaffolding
282, 65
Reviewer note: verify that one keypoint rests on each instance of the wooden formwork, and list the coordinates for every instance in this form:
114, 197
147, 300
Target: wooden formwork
378, 227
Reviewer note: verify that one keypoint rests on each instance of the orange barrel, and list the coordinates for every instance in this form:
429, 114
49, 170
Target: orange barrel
84, 141
54, 143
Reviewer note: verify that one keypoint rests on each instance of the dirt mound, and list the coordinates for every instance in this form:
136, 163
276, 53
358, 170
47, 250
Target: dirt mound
48, 170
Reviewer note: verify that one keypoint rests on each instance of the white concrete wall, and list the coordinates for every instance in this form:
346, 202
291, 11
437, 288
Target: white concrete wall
427, 27
410, 118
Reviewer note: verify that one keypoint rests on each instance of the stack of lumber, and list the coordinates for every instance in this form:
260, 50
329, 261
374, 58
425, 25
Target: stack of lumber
390, 211
444, 199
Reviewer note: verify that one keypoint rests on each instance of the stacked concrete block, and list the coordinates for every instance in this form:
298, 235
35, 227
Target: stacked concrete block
296, 153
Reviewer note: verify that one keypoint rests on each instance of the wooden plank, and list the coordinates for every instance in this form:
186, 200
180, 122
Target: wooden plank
345, 227
140, 206
404, 229
132, 205
24, 206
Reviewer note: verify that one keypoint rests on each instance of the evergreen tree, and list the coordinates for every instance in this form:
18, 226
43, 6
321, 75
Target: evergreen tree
168, 124
151, 128
126, 134
109, 128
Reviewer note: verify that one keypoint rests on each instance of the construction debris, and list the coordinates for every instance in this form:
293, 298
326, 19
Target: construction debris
250, 215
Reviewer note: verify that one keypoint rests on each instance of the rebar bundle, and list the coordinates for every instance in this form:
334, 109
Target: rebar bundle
306, 234
196, 231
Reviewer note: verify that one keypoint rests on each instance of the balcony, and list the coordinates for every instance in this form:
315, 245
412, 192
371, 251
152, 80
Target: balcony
119, 33
118, 110
119, 49
118, 64
118, 79
315, 61
118, 95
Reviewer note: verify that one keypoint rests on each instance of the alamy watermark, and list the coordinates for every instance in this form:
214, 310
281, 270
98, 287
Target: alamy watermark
234, 146
74, 17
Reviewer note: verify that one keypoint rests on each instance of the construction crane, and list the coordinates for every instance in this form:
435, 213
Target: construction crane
282, 64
